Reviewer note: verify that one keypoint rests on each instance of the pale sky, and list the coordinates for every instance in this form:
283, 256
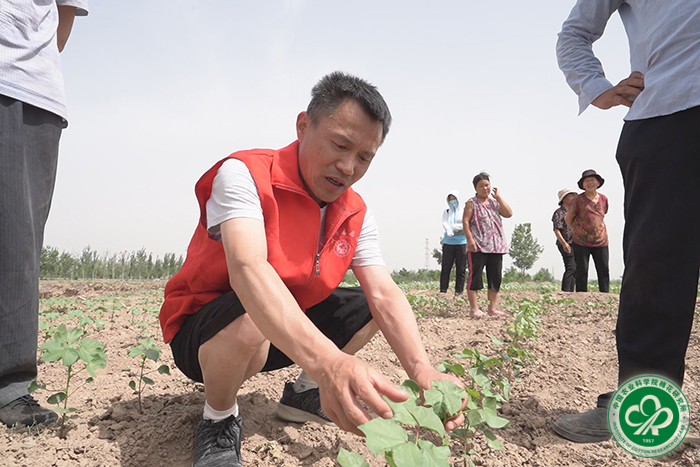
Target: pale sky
159, 91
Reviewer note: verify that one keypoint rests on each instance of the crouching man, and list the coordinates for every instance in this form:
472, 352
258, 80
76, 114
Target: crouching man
258, 291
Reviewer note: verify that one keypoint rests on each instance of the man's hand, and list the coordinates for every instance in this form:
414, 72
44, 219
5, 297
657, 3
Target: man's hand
566, 247
425, 378
622, 94
345, 382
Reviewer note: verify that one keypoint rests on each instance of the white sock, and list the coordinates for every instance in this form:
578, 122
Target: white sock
304, 383
216, 415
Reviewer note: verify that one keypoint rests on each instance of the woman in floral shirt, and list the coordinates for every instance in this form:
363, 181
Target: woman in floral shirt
486, 242
589, 235
563, 234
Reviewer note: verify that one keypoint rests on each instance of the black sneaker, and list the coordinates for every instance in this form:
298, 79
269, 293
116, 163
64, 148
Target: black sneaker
301, 407
26, 411
218, 444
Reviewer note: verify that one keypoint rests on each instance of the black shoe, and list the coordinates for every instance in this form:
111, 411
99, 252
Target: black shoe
302, 406
26, 411
587, 427
218, 444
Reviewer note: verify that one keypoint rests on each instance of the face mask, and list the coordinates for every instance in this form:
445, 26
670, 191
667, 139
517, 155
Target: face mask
454, 203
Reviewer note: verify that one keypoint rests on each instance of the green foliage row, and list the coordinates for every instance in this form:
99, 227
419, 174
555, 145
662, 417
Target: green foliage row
90, 264
402, 439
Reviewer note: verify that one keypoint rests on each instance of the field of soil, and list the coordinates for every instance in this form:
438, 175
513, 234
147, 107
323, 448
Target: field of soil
575, 360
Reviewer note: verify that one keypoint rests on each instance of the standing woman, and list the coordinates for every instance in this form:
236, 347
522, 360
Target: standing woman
563, 234
486, 242
454, 244
589, 235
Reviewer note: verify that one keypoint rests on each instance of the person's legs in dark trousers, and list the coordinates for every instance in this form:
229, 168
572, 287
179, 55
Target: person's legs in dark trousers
494, 276
448, 258
601, 258
29, 140
660, 167
568, 280
477, 261
461, 266
581, 259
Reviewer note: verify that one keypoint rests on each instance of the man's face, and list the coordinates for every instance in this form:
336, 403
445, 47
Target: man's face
337, 151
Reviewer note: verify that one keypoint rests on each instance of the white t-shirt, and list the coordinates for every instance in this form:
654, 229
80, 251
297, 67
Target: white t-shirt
234, 195
30, 67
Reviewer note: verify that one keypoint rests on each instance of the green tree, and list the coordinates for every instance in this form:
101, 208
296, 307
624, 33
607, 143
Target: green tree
437, 253
524, 249
543, 275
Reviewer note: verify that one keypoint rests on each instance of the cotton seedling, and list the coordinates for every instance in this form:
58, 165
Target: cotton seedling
487, 388
146, 350
77, 353
399, 439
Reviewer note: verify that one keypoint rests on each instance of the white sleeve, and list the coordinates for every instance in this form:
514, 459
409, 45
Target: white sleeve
367, 252
446, 223
233, 195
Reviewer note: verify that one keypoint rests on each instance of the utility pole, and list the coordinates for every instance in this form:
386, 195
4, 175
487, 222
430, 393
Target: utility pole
427, 254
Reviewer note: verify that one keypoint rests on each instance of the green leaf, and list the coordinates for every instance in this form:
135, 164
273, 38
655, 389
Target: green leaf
33, 386
446, 399
493, 442
74, 335
455, 368
351, 459
427, 418
411, 388
476, 417
383, 435
480, 376
505, 384
53, 351
401, 411
68, 410
56, 398
434, 456
147, 380
132, 384
491, 414
90, 380
135, 351
164, 369
70, 356
407, 455
152, 354
495, 341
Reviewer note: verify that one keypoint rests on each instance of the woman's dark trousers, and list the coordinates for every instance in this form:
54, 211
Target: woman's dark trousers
568, 280
600, 258
457, 255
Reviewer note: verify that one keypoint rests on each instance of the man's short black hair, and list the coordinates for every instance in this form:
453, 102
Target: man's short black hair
480, 177
335, 88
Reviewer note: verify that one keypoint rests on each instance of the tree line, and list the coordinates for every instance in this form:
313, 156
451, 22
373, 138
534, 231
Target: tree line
89, 264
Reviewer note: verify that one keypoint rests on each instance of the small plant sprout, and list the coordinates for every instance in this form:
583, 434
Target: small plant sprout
399, 438
146, 350
72, 348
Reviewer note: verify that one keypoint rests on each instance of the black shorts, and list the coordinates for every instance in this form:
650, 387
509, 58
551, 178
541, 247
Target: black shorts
339, 317
494, 270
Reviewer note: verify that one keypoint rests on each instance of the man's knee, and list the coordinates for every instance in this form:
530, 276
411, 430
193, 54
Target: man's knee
241, 334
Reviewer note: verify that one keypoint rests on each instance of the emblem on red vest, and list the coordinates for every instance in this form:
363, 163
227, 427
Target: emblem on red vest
342, 246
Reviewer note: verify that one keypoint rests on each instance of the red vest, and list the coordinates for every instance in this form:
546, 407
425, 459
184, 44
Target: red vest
292, 226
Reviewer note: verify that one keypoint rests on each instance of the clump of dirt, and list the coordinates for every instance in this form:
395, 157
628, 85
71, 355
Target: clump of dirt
575, 361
